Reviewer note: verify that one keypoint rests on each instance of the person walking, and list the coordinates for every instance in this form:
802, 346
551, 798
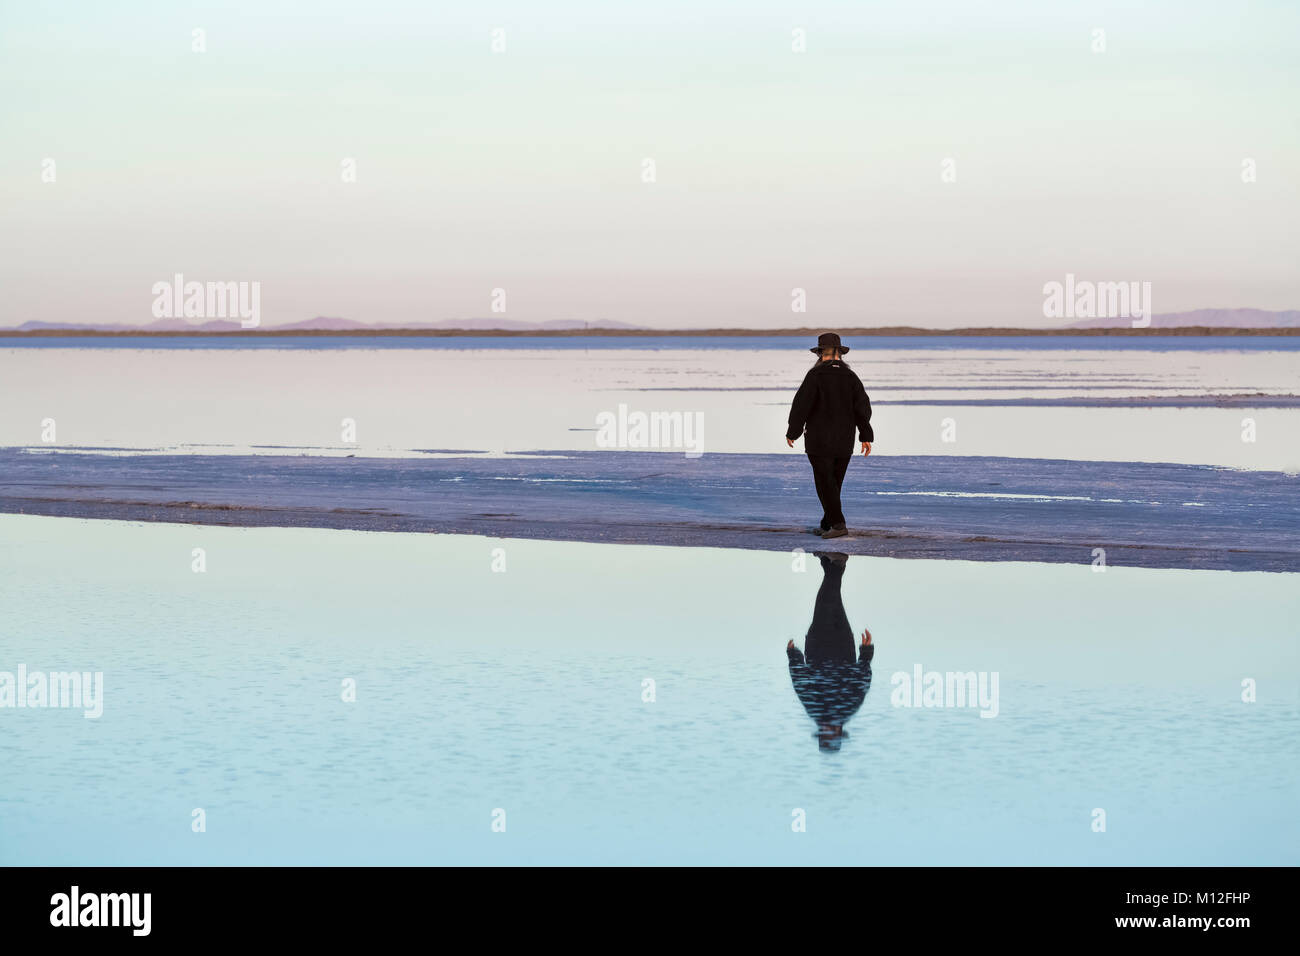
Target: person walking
829, 404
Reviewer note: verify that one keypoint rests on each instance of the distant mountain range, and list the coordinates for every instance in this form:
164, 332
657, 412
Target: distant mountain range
326, 323
1210, 318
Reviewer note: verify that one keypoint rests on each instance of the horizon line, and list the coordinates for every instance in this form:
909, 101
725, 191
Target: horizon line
720, 332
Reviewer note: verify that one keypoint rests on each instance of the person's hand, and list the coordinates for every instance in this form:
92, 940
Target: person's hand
866, 637
789, 644
790, 442
866, 448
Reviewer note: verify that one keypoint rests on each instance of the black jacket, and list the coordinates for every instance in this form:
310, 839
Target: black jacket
831, 690
829, 403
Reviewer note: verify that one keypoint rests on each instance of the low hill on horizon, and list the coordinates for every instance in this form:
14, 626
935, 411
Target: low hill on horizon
324, 323
1206, 318
1202, 318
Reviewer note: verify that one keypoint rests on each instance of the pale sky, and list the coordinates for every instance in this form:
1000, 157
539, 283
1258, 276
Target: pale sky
522, 169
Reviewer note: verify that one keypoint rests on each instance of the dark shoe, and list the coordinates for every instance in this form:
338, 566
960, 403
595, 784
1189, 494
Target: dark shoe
838, 531
816, 530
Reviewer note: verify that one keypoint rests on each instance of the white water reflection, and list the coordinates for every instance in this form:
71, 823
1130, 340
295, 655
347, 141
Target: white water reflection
285, 401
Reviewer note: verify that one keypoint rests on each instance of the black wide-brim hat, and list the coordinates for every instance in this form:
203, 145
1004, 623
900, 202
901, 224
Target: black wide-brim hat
829, 340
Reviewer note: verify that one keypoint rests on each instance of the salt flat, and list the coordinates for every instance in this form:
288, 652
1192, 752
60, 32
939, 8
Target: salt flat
970, 508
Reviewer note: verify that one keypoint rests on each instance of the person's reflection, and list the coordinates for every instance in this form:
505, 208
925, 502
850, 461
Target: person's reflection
831, 682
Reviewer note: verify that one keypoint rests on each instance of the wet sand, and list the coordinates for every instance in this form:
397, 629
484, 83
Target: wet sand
966, 508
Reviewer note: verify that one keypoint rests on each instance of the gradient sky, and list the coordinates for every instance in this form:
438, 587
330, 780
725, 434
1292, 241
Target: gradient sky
522, 169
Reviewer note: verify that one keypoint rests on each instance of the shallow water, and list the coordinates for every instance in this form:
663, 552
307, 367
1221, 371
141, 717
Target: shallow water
522, 689
509, 399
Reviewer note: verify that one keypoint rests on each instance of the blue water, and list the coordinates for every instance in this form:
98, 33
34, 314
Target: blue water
521, 689
1152, 344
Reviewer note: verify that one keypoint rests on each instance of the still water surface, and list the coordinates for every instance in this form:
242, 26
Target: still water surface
525, 689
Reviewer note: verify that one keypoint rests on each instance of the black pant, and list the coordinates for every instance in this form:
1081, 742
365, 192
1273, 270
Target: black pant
829, 637
828, 474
